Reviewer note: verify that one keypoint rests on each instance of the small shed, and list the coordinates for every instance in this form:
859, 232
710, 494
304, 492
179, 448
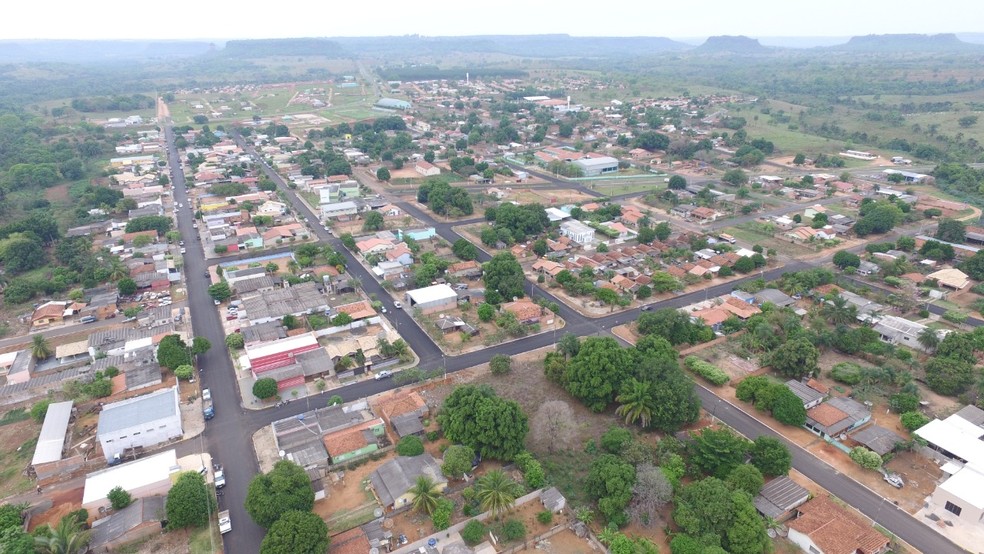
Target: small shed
806, 393
878, 439
552, 500
408, 424
779, 498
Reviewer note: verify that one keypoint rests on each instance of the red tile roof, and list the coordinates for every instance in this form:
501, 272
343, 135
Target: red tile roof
825, 414
836, 530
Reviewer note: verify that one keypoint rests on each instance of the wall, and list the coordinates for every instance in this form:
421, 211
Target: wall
968, 514
150, 434
802, 541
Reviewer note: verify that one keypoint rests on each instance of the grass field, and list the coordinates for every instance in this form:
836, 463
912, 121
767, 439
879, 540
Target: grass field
614, 188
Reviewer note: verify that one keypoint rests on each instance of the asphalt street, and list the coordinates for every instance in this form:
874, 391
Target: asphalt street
228, 435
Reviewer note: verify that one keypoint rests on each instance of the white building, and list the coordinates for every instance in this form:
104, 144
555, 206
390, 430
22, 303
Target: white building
338, 209
956, 442
896, 330
433, 298
139, 422
148, 476
577, 232
597, 166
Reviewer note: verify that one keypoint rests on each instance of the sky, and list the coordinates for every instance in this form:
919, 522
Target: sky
196, 19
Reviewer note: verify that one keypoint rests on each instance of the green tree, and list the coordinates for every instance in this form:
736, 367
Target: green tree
865, 458
747, 533
503, 278
663, 230
286, 487
426, 494
795, 358
373, 221
464, 250
913, 420
383, 174
39, 410
844, 259
188, 502
40, 347
500, 364
771, 456
610, 481
496, 492
635, 402
718, 451
265, 388
126, 286
595, 374
788, 408
473, 532
677, 182
476, 417
457, 461
173, 352
746, 478
296, 531
235, 341
441, 517
951, 230
220, 291
799, 159
200, 345
67, 537
948, 376
485, 312
410, 445
119, 498
184, 372
735, 177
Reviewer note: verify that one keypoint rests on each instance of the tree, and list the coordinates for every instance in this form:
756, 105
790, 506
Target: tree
496, 492
677, 182
425, 493
705, 507
160, 223
673, 325
188, 502
485, 312
500, 364
119, 498
865, 458
595, 374
951, 230
173, 352
184, 372
220, 291
457, 461
735, 177
663, 230
41, 348
410, 445
615, 439
913, 420
200, 345
746, 478
383, 174
504, 276
747, 533
341, 319
948, 376
610, 481
635, 402
473, 532
553, 425
373, 221
929, 339
286, 487
39, 410
126, 286
788, 408
967, 121
235, 341
795, 358
799, 159
296, 531
651, 492
652, 141
771, 456
476, 417
464, 250
844, 259
718, 451
265, 388
67, 537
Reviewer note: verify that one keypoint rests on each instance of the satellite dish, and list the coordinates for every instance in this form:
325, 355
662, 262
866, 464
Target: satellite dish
282, 453
378, 512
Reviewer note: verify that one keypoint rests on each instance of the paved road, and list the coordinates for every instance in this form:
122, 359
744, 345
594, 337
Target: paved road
225, 437
238, 427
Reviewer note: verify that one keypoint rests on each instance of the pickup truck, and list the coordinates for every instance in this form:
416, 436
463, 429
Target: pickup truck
225, 524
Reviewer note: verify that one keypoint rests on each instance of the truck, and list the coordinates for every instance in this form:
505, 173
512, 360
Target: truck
219, 479
727, 238
225, 524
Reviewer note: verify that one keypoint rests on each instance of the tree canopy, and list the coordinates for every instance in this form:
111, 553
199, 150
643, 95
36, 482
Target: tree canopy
504, 277
286, 487
476, 417
296, 531
188, 502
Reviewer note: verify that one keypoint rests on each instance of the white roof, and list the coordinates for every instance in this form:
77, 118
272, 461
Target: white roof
130, 476
596, 162
957, 436
556, 215
6, 360
432, 294
967, 484
283, 345
52, 439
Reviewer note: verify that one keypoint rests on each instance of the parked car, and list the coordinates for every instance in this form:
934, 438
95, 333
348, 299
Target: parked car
182, 250
219, 479
206, 394
893, 479
383, 374
88, 319
398, 305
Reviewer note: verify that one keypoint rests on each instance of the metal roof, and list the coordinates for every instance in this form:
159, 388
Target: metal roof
140, 410
878, 439
432, 293
118, 524
52, 439
131, 475
779, 496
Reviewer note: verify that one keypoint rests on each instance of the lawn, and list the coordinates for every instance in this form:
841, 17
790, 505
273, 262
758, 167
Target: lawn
751, 232
617, 187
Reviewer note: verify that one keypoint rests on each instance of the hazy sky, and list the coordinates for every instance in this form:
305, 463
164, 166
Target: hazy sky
187, 19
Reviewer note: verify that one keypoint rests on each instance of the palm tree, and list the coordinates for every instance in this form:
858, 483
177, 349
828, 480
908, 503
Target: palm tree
426, 492
929, 339
66, 538
40, 348
496, 492
635, 402
117, 270
838, 311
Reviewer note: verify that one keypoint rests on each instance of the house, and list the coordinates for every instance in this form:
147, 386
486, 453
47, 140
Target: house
824, 527
896, 330
868, 268
682, 210
837, 415
403, 411
525, 310
267, 357
552, 500
810, 396
354, 441
393, 480
143, 518
142, 421
374, 245
548, 267
431, 299
271, 208
145, 477
577, 232
390, 210
704, 214
877, 439
740, 308
779, 497
951, 278
51, 313
774, 296
465, 270
426, 168
357, 310
297, 300
338, 209
554, 214
388, 271
401, 254
955, 442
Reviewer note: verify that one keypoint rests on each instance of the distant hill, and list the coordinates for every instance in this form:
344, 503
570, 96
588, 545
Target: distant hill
283, 47
731, 45
89, 51
947, 42
535, 46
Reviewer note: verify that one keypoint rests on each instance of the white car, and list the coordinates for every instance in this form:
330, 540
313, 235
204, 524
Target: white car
383, 374
183, 250
397, 305
206, 395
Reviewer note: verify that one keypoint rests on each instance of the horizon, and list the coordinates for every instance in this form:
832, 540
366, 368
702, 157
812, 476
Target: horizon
182, 20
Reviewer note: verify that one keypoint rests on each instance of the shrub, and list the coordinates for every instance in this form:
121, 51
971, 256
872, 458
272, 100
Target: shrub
709, 372
545, 517
913, 420
265, 388
534, 475
500, 364
749, 387
39, 410
410, 445
473, 532
235, 341
111, 371
119, 498
513, 529
865, 458
847, 373
903, 402
335, 400
441, 516
433, 435
184, 371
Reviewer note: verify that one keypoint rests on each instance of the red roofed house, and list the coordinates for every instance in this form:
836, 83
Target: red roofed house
427, 169
268, 356
704, 214
525, 310
357, 310
828, 528
357, 440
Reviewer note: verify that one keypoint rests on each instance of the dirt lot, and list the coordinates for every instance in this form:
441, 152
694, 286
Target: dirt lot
62, 504
16, 451
544, 196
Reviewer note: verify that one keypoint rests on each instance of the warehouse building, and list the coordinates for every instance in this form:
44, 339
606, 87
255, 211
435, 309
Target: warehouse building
432, 299
593, 167
139, 422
